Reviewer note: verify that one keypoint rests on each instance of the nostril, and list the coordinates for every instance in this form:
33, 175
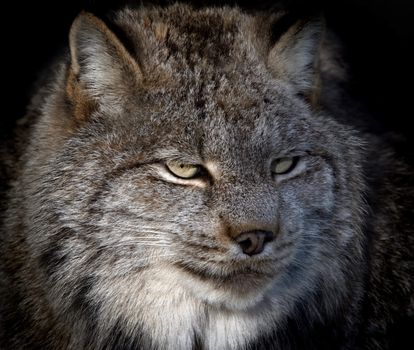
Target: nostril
253, 242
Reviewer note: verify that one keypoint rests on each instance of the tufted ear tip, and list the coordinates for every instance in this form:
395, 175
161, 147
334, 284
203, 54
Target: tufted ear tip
99, 60
293, 56
86, 29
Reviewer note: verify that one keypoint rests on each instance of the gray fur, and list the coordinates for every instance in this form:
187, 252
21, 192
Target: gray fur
103, 248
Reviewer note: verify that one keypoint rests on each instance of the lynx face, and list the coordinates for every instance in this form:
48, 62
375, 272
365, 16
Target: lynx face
145, 215
191, 166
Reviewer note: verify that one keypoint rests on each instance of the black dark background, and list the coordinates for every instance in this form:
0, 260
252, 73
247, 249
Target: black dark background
378, 37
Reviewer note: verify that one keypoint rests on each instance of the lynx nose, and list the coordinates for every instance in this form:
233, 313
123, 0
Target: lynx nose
253, 242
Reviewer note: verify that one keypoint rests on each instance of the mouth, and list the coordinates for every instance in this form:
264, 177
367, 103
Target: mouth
233, 288
227, 274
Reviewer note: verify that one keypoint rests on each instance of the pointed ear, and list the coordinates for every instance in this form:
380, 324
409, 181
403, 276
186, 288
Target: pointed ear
102, 71
293, 56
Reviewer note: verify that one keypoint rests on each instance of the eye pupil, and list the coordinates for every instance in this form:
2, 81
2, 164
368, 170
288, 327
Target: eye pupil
184, 171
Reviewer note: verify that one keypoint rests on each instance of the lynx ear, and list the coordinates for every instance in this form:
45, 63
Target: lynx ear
293, 56
102, 70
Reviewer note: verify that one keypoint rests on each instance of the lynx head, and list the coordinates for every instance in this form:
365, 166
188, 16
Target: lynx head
187, 150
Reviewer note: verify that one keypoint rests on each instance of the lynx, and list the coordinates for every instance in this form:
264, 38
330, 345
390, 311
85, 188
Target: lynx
196, 178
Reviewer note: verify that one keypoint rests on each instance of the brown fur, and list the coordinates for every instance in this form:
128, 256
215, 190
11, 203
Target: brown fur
102, 246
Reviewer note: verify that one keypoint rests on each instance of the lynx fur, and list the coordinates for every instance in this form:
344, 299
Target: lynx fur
104, 246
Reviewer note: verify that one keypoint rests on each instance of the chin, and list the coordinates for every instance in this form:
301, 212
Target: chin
234, 291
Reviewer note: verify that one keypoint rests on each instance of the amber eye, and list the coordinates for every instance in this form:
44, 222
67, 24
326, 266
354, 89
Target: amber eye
284, 165
184, 171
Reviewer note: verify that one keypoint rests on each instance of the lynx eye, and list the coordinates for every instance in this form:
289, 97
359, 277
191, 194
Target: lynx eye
184, 171
284, 165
